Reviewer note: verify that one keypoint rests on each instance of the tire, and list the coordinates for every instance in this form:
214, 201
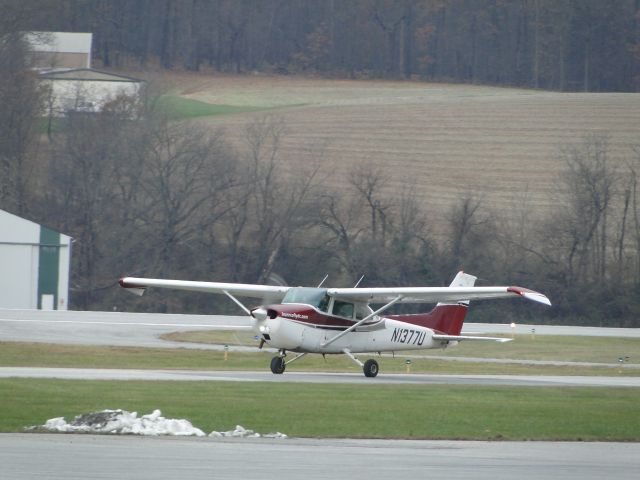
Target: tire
277, 365
370, 368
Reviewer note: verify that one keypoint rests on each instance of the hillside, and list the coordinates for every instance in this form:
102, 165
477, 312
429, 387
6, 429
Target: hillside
500, 144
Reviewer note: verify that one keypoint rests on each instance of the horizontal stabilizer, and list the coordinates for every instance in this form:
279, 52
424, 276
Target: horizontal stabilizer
456, 338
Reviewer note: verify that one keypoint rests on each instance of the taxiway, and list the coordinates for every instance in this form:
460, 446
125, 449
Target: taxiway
144, 329
315, 377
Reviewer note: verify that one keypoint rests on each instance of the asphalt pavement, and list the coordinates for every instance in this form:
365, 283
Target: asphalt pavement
72, 456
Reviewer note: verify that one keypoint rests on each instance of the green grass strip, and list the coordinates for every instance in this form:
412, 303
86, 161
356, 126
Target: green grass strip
179, 108
79, 356
368, 411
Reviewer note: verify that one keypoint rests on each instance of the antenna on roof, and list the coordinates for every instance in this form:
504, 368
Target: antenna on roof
358, 282
325, 277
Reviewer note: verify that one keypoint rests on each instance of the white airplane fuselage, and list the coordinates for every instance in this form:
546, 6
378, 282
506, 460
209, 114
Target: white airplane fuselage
298, 332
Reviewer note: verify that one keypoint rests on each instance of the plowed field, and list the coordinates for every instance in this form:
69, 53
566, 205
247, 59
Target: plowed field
500, 144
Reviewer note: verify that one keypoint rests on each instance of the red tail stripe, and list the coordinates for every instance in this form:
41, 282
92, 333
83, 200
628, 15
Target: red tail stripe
446, 319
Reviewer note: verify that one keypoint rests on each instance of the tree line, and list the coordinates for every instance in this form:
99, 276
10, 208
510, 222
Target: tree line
585, 45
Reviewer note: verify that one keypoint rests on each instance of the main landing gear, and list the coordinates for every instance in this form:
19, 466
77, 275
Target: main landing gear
278, 363
370, 367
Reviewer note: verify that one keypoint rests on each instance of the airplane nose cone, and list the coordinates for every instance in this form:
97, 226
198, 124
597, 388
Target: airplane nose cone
259, 313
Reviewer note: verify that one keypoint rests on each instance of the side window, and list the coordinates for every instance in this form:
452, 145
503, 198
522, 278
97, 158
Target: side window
343, 309
324, 304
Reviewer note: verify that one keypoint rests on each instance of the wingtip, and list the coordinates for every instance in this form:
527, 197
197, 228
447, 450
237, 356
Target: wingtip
537, 297
530, 295
135, 289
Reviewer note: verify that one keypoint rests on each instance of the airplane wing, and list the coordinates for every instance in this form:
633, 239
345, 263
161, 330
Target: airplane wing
434, 294
271, 292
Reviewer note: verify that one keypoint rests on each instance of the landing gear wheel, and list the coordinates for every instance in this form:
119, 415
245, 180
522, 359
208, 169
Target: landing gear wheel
370, 368
277, 365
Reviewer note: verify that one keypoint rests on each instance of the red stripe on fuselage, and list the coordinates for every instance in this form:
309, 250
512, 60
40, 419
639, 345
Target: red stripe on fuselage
307, 314
446, 319
310, 316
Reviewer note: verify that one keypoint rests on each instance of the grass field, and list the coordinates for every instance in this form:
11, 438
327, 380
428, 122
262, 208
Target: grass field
371, 411
500, 144
523, 347
368, 410
67, 356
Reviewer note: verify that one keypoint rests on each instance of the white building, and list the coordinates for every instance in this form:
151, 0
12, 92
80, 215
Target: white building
55, 50
85, 90
34, 265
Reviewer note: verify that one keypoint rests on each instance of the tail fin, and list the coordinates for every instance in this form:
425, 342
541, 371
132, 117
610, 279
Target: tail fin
446, 318
463, 280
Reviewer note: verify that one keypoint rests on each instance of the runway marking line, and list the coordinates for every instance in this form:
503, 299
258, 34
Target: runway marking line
145, 324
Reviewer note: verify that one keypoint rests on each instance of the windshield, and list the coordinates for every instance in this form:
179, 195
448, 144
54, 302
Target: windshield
316, 297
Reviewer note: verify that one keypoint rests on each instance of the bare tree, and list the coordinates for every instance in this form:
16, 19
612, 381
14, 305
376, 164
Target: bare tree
412, 244
278, 198
182, 165
634, 199
369, 182
340, 215
465, 222
82, 194
21, 101
588, 186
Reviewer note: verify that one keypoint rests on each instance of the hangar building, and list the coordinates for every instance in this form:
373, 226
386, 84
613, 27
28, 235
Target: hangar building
34, 265
86, 90
59, 50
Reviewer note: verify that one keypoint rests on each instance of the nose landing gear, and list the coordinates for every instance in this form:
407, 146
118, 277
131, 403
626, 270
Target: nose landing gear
278, 363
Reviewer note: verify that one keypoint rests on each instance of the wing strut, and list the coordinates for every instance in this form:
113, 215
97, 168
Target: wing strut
360, 322
237, 302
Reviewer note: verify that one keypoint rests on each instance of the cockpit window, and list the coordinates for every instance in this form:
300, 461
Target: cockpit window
316, 297
343, 309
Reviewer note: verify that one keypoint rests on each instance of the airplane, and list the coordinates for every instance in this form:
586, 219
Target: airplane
341, 321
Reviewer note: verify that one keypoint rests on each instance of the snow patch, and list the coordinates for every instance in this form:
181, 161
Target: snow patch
121, 421
153, 424
241, 432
